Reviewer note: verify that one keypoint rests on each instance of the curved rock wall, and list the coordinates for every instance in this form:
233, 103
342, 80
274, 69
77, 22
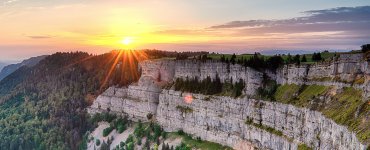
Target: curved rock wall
222, 120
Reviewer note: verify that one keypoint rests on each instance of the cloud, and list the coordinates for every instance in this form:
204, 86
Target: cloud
342, 27
10, 1
39, 37
336, 29
327, 16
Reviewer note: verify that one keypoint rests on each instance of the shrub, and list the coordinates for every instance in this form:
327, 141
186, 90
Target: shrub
97, 142
122, 144
149, 116
139, 131
130, 139
138, 141
304, 147
182, 146
164, 135
108, 130
184, 109
121, 128
130, 146
181, 132
249, 121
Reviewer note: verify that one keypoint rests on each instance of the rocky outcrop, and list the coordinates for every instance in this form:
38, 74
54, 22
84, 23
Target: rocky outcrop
159, 70
223, 120
136, 101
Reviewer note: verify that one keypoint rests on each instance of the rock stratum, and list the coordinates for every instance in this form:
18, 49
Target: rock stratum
239, 122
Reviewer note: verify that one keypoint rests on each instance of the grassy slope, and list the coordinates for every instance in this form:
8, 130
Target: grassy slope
346, 107
203, 145
343, 110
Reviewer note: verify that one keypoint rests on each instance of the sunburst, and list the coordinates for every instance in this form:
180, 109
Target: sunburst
129, 61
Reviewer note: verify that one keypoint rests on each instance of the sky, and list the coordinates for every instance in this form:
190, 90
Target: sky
36, 27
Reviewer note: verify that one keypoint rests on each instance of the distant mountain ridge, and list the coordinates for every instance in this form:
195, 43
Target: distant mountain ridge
7, 70
2, 65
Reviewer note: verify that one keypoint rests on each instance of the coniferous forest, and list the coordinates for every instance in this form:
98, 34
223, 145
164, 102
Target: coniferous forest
44, 107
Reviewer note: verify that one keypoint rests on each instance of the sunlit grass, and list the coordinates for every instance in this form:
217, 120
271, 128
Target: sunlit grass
198, 144
346, 107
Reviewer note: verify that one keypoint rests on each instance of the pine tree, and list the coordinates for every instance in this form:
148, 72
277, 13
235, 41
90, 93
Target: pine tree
222, 58
289, 59
232, 60
365, 48
319, 58
297, 60
304, 59
204, 57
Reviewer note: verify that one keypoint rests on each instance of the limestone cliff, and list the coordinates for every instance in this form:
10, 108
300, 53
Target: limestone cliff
244, 122
344, 71
136, 101
223, 120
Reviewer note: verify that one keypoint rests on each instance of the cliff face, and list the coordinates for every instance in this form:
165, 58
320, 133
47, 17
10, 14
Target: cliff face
170, 70
347, 70
241, 122
136, 101
223, 120
219, 119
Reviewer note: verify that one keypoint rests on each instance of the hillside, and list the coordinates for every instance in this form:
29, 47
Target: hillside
2, 65
44, 107
7, 70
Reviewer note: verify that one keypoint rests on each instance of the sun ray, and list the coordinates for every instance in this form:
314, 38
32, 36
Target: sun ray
79, 61
140, 55
123, 76
128, 67
111, 70
131, 64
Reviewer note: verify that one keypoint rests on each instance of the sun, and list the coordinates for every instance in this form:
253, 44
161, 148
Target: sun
126, 41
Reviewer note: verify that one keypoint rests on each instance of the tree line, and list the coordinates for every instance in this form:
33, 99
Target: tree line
259, 62
208, 86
